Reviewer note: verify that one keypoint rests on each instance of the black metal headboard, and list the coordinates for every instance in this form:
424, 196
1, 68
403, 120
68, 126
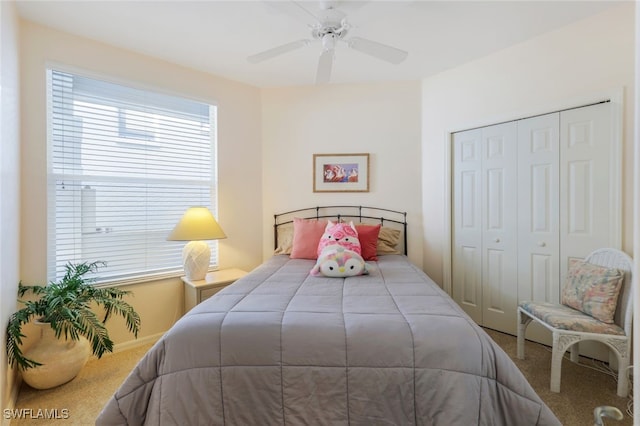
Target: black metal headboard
361, 214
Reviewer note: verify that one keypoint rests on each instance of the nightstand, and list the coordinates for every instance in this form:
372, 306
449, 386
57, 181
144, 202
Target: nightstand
197, 291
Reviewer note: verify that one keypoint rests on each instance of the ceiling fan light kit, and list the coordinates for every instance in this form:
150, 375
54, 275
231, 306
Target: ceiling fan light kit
331, 27
329, 41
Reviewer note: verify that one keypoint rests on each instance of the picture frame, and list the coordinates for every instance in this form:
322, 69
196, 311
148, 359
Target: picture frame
341, 172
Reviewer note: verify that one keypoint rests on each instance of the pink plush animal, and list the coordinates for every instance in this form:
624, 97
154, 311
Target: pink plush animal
340, 234
339, 262
339, 252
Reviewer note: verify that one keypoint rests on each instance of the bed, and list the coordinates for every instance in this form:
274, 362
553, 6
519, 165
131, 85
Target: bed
280, 346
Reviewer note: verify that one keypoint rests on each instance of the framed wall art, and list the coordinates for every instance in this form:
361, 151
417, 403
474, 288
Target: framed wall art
340, 172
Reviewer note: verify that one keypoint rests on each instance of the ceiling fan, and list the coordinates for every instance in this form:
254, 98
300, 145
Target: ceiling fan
330, 26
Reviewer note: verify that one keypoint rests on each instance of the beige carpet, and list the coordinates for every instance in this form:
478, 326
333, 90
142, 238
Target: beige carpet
84, 396
582, 388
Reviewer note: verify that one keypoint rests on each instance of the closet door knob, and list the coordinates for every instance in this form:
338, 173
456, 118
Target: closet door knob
497, 240
542, 244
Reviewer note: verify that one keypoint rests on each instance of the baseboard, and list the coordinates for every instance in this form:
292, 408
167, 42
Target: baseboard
119, 347
137, 342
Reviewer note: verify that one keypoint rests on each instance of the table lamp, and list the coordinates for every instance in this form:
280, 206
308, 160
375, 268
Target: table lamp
197, 224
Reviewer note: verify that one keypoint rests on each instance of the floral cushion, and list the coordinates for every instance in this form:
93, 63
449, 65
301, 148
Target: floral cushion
566, 318
592, 289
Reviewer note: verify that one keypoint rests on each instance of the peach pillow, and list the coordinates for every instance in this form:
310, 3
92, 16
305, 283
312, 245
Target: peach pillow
306, 236
388, 240
368, 236
285, 239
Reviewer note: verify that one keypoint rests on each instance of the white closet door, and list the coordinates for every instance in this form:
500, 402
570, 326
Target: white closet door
588, 200
499, 217
538, 214
538, 207
467, 222
589, 191
529, 196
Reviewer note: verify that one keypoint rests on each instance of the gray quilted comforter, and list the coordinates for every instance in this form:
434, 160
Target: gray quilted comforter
282, 347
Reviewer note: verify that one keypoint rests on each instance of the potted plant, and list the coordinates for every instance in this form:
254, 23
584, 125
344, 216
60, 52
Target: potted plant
64, 311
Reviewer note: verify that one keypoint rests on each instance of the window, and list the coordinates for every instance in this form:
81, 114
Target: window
123, 166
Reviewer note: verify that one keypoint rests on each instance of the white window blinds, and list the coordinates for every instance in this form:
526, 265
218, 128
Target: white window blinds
123, 166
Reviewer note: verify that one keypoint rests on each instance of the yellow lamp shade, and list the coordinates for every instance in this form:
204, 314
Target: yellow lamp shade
197, 224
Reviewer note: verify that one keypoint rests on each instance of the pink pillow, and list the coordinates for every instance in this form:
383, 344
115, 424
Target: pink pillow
368, 236
306, 236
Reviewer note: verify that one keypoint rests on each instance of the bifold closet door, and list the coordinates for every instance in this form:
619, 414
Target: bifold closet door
485, 225
467, 222
564, 197
589, 193
539, 214
538, 208
499, 232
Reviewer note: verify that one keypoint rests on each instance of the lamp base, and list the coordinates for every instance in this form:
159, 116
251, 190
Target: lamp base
195, 256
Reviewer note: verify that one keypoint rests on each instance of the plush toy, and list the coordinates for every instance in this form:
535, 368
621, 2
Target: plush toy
339, 262
340, 234
339, 252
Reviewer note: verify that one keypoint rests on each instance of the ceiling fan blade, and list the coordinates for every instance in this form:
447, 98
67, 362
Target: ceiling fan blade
294, 9
324, 67
268, 54
379, 50
347, 6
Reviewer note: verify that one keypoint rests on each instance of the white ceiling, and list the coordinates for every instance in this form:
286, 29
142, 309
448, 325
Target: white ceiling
217, 36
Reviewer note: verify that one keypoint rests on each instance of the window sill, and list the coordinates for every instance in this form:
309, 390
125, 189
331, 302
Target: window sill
141, 279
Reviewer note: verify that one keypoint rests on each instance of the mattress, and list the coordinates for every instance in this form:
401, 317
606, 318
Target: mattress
282, 347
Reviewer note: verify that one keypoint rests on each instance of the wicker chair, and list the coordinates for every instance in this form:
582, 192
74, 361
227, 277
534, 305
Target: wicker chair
568, 333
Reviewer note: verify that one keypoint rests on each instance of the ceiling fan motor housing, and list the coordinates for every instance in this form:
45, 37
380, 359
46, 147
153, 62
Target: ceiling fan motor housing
333, 27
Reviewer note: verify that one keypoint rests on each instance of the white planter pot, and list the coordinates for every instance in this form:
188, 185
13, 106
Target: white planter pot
61, 359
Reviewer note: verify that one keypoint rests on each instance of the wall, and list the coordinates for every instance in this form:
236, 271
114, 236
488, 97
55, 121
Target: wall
380, 119
539, 75
636, 215
9, 183
160, 302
